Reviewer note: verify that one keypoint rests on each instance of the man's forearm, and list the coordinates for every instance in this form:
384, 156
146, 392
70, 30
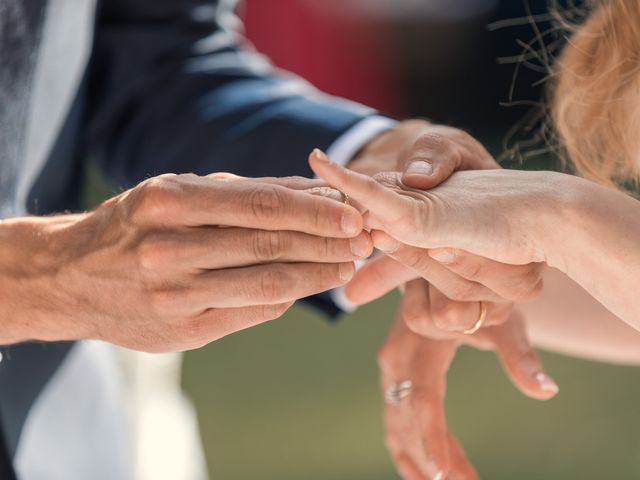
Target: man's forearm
32, 304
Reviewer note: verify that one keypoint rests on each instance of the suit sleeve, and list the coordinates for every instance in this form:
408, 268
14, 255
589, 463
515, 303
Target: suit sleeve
175, 87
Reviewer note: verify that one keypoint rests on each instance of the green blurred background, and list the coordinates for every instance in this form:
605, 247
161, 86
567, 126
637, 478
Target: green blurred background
298, 398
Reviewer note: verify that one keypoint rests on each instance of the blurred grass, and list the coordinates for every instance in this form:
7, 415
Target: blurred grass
297, 399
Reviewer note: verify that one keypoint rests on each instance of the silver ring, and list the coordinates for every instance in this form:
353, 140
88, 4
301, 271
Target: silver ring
394, 394
345, 198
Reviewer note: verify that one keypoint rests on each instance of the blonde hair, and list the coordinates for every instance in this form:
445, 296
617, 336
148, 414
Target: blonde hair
596, 94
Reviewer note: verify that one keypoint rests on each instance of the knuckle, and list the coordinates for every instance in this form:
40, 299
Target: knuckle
155, 197
448, 314
415, 317
527, 289
274, 284
271, 312
385, 356
528, 285
162, 302
153, 252
267, 245
434, 141
462, 291
264, 201
470, 269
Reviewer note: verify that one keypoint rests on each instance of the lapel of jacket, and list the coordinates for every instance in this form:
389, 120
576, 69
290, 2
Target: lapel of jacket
66, 45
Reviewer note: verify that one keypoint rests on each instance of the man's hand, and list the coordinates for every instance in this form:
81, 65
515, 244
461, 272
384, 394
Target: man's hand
426, 153
175, 263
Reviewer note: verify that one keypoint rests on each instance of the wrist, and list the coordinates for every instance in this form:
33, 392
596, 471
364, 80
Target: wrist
33, 299
563, 220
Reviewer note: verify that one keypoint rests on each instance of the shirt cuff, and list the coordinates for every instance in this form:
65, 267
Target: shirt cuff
347, 145
342, 152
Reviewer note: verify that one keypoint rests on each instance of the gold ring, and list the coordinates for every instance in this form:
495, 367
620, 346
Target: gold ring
345, 198
480, 322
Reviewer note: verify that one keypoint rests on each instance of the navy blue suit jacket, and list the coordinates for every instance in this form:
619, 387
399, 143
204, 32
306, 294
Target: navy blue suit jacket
172, 86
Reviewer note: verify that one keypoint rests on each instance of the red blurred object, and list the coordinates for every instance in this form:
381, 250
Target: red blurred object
342, 55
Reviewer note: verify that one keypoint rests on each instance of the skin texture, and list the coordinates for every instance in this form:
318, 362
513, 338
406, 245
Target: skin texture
417, 435
424, 340
175, 263
511, 217
541, 217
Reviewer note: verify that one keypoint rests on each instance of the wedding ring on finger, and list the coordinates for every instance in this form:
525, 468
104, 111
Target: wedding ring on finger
480, 322
345, 198
395, 393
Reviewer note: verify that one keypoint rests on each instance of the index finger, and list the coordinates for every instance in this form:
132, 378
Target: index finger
266, 206
369, 193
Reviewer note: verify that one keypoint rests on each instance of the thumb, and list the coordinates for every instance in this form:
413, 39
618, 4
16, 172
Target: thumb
430, 161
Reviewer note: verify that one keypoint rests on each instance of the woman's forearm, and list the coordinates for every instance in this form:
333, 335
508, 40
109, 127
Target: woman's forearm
566, 319
596, 242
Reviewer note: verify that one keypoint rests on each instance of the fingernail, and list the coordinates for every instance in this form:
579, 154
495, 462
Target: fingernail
546, 383
360, 246
346, 271
320, 155
419, 167
387, 244
350, 224
445, 256
433, 471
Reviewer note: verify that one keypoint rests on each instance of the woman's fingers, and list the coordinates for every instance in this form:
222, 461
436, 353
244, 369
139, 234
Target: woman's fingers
453, 285
369, 193
376, 278
520, 360
517, 283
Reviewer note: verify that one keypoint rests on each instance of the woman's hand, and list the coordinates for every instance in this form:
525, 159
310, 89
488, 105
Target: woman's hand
497, 214
175, 263
417, 435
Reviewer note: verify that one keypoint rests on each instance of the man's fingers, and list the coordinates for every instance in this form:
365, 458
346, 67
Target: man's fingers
448, 282
295, 183
461, 468
200, 201
209, 248
407, 468
258, 285
428, 409
438, 153
517, 283
376, 278
217, 323
520, 360
454, 316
